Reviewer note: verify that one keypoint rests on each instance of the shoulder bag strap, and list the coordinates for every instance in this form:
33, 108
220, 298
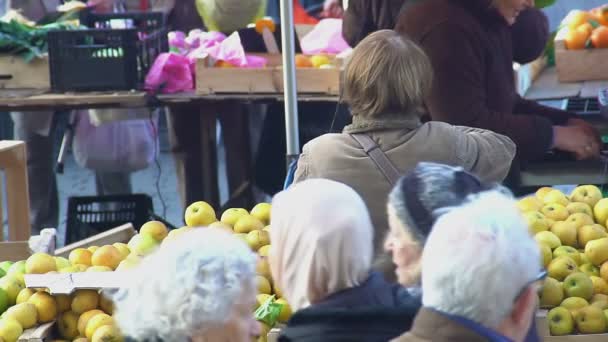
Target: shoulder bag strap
379, 158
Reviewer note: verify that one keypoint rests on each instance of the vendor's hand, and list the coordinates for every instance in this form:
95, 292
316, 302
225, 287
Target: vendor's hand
577, 139
332, 9
588, 127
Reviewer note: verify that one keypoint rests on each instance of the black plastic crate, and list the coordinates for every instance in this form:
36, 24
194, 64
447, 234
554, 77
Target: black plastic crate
105, 59
91, 215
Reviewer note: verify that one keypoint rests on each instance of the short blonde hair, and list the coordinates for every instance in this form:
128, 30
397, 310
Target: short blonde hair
387, 74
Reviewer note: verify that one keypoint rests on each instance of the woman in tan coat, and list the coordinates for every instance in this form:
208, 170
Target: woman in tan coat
385, 82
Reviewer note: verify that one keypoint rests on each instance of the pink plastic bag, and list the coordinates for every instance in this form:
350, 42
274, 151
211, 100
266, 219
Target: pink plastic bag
231, 51
171, 73
326, 37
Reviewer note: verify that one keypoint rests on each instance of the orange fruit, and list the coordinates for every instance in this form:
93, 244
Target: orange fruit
599, 37
108, 256
601, 15
80, 256
303, 62
263, 23
587, 28
577, 19
223, 64
576, 39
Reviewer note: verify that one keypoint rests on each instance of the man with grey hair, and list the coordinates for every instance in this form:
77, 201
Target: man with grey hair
480, 275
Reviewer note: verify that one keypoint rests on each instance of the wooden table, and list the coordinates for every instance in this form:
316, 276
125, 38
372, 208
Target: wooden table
37, 100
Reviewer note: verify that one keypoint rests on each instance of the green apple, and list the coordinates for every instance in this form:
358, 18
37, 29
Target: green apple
62, 262
18, 267
5, 265
584, 259
590, 269
561, 267
536, 222
552, 293
588, 194
573, 304
590, 233
597, 251
569, 252
560, 321
556, 196
578, 284
548, 238
566, 231
555, 212
591, 320
579, 207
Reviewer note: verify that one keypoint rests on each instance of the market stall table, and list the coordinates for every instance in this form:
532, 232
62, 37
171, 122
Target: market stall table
36, 100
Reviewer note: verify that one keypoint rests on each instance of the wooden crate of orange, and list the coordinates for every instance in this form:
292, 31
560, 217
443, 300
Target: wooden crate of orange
315, 75
581, 46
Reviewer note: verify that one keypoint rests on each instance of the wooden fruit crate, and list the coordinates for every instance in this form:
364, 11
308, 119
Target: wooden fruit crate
267, 80
14, 251
13, 158
579, 65
119, 234
543, 332
15, 73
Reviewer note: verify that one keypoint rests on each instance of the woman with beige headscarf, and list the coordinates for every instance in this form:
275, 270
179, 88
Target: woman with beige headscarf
321, 258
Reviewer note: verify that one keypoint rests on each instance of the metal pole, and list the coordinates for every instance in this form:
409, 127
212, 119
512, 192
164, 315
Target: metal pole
289, 80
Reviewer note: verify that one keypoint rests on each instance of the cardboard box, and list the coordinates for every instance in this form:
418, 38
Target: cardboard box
119, 234
543, 331
13, 159
67, 283
37, 334
267, 80
14, 251
579, 65
16, 73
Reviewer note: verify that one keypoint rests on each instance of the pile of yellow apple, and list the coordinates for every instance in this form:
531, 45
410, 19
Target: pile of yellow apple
253, 227
83, 316
572, 236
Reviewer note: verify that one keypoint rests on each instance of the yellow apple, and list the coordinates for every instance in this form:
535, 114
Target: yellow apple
230, 216
262, 212
549, 239
600, 211
560, 322
590, 233
566, 232
561, 267
536, 222
223, 226
530, 203
578, 207
199, 214
247, 223
597, 251
574, 303
556, 196
569, 252
155, 229
552, 293
590, 320
542, 192
580, 219
257, 239
589, 194
589, 269
578, 284
600, 286
143, 244
599, 297
555, 212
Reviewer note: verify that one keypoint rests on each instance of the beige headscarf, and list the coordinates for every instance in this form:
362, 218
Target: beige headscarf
321, 241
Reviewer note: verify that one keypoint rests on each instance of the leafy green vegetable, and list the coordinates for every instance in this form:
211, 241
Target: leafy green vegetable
26, 41
268, 312
544, 3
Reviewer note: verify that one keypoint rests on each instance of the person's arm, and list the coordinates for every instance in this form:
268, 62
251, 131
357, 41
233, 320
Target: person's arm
459, 94
528, 107
484, 153
356, 22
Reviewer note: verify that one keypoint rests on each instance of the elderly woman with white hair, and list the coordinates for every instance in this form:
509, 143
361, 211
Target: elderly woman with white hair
321, 259
198, 287
476, 286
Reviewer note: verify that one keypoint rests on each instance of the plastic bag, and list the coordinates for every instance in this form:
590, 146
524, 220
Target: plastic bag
231, 51
326, 37
170, 73
119, 146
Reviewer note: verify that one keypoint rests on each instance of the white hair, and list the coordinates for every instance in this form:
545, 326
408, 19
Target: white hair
477, 259
189, 285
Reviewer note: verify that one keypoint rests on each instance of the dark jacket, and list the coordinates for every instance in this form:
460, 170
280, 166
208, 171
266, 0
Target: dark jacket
364, 17
470, 48
374, 311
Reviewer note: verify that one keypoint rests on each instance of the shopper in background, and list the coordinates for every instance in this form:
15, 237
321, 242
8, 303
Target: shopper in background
385, 83
467, 258
198, 287
469, 43
321, 257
